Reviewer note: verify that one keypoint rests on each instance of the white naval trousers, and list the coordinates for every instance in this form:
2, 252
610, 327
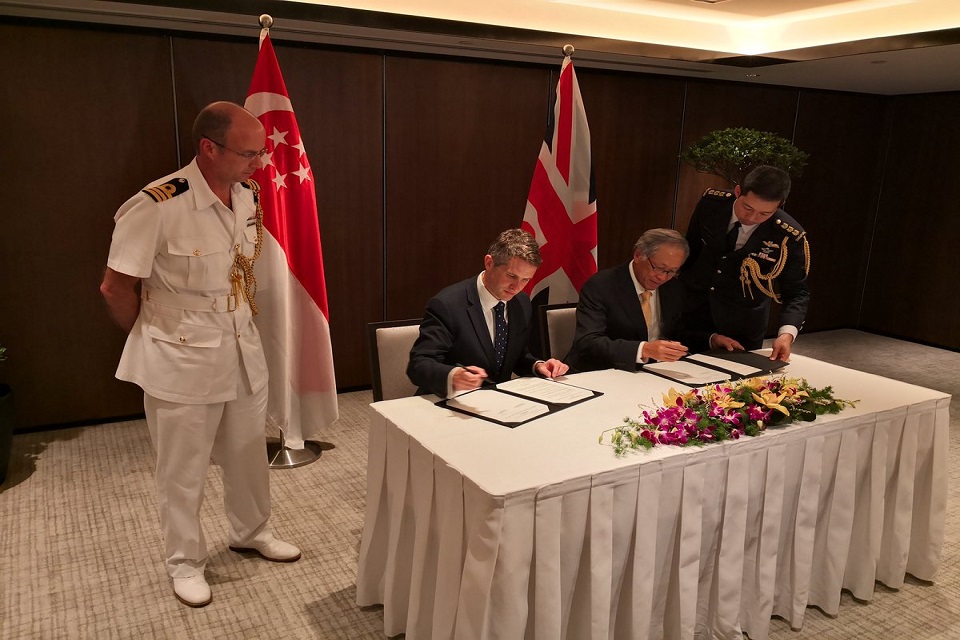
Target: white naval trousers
186, 437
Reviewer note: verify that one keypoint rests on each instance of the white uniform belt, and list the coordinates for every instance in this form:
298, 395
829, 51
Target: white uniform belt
213, 304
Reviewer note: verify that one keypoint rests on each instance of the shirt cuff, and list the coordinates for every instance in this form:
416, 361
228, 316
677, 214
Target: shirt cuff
640, 358
450, 392
788, 328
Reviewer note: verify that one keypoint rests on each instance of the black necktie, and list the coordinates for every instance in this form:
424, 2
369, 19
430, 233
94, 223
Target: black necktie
499, 333
732, 236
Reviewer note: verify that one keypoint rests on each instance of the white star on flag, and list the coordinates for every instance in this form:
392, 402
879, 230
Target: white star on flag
303, 173
278, 137
299, 145
278, 180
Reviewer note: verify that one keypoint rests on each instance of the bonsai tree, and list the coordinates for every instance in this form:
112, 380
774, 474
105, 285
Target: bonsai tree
732, 153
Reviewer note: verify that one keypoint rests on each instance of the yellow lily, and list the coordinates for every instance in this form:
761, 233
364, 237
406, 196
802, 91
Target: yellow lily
771, 401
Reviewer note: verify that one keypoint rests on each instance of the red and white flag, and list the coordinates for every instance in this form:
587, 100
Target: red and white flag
561, 208
291, 290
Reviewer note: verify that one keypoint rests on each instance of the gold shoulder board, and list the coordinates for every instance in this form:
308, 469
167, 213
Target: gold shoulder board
718, 193
167, 190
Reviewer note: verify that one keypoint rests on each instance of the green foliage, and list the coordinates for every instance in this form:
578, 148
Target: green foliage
733, 153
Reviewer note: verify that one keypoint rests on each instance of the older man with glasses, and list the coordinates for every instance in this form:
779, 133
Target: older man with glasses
631, 314
179, 280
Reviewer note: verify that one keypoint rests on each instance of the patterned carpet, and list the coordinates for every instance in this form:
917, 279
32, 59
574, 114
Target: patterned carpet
80, 548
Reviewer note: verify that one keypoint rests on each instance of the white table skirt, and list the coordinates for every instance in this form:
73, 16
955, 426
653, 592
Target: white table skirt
474, 530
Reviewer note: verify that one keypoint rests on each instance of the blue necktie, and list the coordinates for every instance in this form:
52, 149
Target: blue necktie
499, 333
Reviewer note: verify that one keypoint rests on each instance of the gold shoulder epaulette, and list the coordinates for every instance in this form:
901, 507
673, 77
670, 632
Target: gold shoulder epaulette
790, 230
168, 190
723, 194
252, 185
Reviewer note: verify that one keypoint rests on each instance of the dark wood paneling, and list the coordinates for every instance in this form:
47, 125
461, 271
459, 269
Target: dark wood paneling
710, 106
86, 127
835, 200
634, 128
462, 140
914, 259
338, 99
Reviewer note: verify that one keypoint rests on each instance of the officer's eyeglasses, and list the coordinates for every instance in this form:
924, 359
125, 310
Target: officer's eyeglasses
246, 155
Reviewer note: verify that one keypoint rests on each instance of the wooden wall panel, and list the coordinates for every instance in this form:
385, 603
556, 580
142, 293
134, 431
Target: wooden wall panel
462, 140
635, 126
836, 197
85, 127
914, 259
338, 99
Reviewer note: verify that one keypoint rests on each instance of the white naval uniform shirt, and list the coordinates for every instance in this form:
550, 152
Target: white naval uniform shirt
187, 245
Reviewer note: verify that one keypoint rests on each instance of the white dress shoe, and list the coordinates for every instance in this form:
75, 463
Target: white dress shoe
193, 591
273, 550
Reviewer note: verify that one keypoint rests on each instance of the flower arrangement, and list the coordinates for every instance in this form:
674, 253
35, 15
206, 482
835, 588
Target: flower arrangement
724, 411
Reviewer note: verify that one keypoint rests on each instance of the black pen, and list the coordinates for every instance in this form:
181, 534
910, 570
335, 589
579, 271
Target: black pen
485, 381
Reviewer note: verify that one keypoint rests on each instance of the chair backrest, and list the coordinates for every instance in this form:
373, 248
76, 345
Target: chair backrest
389, 346
558, 324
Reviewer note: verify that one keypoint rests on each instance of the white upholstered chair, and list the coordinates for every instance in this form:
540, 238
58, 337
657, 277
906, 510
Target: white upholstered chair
558, 323
389, 345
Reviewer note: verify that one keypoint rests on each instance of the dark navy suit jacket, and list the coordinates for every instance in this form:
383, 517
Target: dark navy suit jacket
454, 332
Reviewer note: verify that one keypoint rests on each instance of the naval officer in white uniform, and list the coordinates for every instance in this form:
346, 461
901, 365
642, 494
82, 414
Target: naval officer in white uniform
179, 278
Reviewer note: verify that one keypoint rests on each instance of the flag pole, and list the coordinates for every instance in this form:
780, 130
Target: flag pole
279, 455
567, 48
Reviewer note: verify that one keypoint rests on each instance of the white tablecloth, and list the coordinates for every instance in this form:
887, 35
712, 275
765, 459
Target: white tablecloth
474, 530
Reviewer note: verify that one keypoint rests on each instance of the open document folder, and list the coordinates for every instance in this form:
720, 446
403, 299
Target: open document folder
715, 366
517, 401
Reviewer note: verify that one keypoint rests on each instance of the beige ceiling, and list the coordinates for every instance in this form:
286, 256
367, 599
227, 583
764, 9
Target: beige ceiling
886, 47
746, 27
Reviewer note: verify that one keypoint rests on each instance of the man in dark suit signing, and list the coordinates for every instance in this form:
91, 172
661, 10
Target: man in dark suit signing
627, 314
478, 329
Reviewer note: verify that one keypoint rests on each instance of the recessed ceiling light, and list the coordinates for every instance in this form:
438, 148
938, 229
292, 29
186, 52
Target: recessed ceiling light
709, 1
754, 75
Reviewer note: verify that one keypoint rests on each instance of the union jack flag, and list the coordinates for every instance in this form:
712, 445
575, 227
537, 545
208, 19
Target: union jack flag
561, 208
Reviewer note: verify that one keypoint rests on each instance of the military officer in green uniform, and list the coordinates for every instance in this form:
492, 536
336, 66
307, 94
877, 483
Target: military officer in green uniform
745, 253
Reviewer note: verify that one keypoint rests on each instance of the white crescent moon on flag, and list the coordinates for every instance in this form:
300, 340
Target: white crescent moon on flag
260, 103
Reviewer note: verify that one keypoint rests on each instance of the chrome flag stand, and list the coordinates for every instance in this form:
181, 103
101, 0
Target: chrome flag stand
280, 456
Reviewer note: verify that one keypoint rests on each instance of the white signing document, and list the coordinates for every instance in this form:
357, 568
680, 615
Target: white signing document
545, 390
686, 372
726, 365
496, 406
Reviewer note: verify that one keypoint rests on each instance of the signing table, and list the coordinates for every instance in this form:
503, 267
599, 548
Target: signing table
474, 530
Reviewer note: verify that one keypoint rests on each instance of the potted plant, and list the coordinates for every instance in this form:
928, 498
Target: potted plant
6, 421
732, 153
